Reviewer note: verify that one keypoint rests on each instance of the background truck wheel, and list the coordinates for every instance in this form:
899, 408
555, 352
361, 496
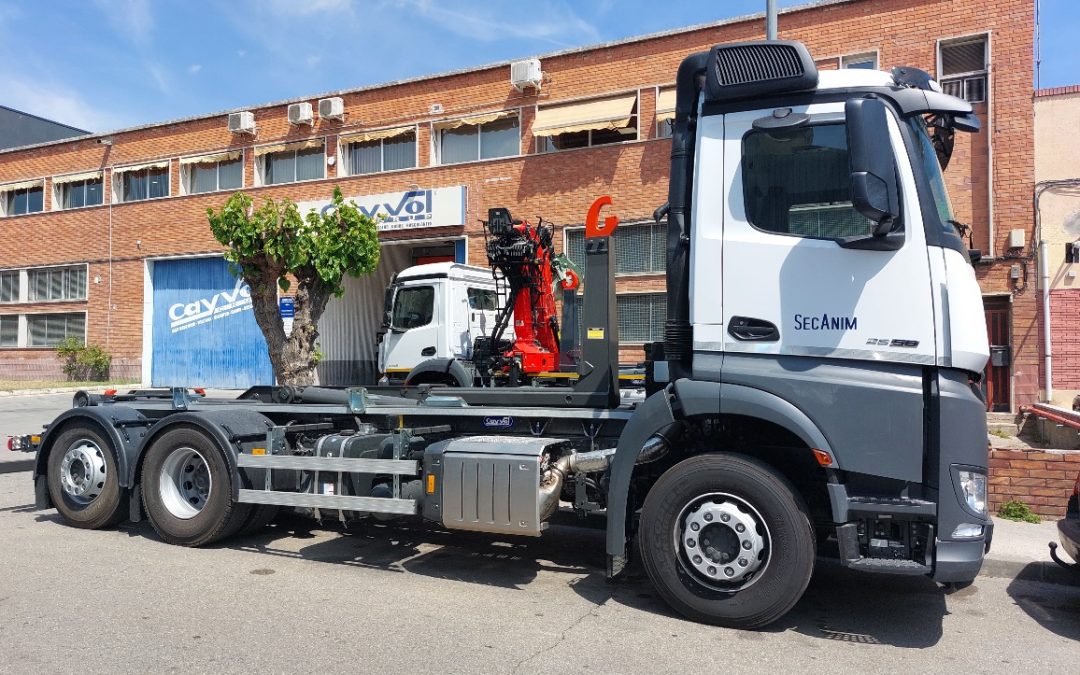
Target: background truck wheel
187, 489
261, 515
83, 480
726, 541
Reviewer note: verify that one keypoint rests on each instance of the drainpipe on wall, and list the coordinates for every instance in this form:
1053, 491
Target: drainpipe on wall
770, 19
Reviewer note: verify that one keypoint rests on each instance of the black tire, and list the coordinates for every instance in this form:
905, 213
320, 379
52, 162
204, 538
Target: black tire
213, 515
80, 400
757, 493
103, 504
261, 515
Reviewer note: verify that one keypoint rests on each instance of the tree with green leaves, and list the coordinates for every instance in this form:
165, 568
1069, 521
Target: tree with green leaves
274, 245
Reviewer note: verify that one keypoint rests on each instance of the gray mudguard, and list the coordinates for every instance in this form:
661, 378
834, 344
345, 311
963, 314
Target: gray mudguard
451, 368
124, 427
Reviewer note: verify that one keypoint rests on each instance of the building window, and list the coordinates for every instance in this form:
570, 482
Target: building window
866, 61
47, 284
639, 249
665, 112
641, 317
586, 124
9, 330
797, 182
963, 67
291, 163
9, 286
49, 330
17, 199
77, 191
139, 183
212, 173
376, 151
479, 137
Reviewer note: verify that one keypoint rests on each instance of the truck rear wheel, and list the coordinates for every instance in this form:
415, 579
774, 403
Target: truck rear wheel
83, 480
187, 489
726, 541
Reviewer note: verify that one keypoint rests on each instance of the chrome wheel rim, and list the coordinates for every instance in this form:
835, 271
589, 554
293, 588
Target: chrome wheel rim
722, 542
185, 483
83, 471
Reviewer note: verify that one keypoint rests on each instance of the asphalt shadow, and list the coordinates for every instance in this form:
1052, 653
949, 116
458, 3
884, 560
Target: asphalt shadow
1055, 611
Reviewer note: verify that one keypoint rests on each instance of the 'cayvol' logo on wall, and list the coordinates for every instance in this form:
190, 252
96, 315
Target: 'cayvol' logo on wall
412, 210
184, 315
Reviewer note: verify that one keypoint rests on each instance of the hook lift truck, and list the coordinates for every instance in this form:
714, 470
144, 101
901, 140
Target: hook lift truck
817, 382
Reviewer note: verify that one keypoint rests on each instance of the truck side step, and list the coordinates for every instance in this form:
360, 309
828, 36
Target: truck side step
403, 507
889, 566
405, 467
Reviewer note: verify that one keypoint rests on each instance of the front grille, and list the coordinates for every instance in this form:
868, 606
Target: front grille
743, 64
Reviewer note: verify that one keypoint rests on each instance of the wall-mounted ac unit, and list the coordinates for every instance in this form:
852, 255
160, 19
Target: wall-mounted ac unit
300, 113
332, 108
526, 73
242, 122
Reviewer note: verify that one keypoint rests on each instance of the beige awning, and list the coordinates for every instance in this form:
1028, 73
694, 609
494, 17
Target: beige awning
139, 167
281, 147
665, 104
474, 120
75, 177
374, 135
608, 113
21, 185
230, 156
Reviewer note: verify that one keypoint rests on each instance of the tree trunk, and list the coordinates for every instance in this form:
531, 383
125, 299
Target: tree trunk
292, 357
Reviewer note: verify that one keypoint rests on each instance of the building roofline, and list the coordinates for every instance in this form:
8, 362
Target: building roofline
1058, 91
809, 5
43, 119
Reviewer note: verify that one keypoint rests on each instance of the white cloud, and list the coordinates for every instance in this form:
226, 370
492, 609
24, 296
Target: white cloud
56, 102
313, 60
194, 68
131, 18
307, 7
160, 76
551, 22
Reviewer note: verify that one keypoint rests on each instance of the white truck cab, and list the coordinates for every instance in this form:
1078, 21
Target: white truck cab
435, 311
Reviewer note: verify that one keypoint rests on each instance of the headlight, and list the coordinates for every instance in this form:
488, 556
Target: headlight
973, 487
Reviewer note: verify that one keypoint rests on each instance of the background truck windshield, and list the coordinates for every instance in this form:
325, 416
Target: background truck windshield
413, 307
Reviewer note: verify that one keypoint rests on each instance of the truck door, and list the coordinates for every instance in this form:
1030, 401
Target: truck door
842, 333
413, 335
483, 304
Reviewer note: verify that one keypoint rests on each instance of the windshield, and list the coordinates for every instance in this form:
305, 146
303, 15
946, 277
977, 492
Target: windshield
928, 158
413, 307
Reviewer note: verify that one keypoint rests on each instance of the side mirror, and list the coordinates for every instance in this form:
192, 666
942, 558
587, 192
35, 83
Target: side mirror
874, 192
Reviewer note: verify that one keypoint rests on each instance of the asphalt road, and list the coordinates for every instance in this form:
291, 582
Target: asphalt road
24, 415
383, 599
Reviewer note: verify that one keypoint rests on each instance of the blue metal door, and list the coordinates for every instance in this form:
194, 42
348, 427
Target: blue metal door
204, 330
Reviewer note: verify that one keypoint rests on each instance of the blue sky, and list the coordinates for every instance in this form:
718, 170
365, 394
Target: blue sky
106, 64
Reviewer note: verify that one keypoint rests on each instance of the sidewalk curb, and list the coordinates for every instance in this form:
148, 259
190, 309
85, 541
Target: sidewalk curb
1040, 571
50, 390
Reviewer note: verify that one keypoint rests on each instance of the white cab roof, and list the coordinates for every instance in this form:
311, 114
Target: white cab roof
446, 269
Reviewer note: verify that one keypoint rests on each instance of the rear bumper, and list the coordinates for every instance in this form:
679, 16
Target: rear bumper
1069, 536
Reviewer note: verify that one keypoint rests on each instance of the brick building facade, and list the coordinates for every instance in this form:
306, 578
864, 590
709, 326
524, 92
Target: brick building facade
980, 50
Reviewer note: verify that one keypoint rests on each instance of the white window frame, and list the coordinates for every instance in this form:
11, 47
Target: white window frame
24, 284
436, 139
343, 155
5, 197
20, 331
24, 329
57, 195
260, 164
963, 78
185, 178
117, 182
873, 57
20, 297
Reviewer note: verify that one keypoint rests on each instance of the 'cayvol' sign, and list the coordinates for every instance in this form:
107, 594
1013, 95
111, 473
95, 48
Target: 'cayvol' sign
409, 210
184, 315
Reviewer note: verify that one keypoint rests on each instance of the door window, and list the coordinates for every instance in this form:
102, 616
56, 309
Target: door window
797, 182
414, 307
482, 298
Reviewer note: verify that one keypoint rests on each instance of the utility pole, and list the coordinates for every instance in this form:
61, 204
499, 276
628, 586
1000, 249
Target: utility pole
770, 19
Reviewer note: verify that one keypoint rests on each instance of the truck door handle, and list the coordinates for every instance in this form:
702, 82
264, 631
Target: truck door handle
427, 351
747, 329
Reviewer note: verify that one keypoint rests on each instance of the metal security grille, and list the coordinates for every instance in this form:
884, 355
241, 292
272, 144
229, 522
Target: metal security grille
48, 330
828, 221
641, 317
963, 57
639, 249
9, 330
9, 286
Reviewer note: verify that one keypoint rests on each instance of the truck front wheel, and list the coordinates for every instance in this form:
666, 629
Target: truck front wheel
726, 540
83, 480
187, 489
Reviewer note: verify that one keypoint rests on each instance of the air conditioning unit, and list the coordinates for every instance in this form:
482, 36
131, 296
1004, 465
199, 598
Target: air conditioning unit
331, 108
242, 122
526, 74
300, 113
